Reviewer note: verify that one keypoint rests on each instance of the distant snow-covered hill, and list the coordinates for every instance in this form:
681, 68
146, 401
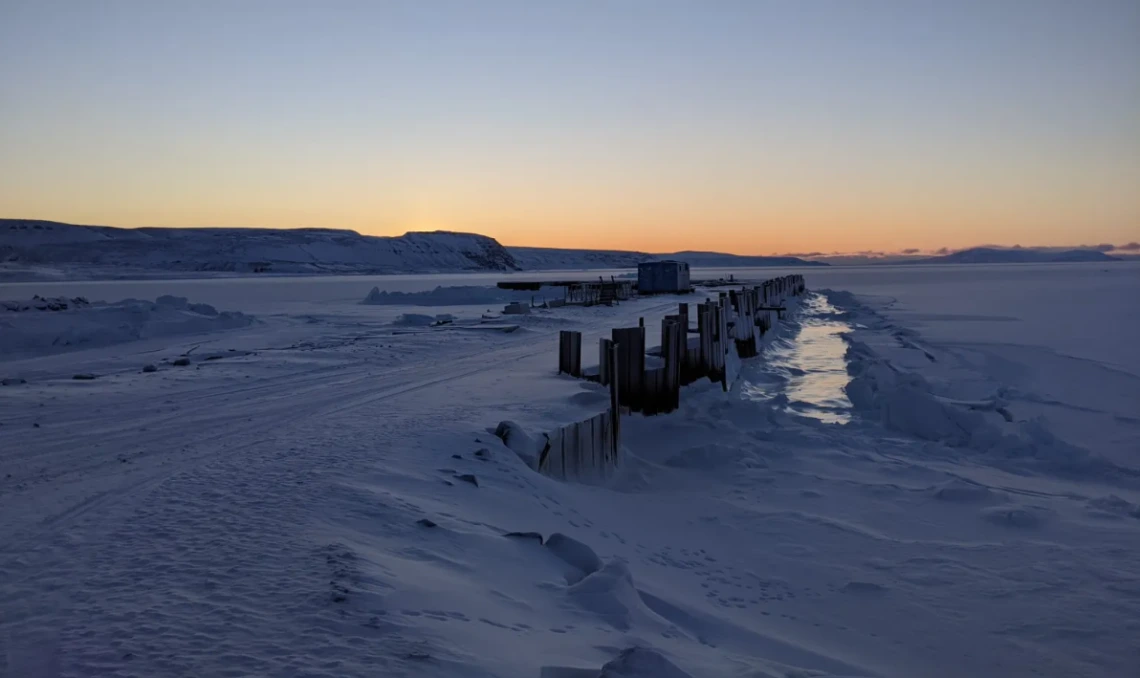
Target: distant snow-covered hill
1020, 255
309, 250
719, 260
70, 251
547, 258
542, 258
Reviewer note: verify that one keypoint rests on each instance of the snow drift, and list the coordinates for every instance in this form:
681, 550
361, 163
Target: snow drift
905, 401
421, 320
46, 326
445, 296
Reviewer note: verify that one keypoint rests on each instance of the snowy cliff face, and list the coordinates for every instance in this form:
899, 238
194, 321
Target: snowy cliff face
248, 249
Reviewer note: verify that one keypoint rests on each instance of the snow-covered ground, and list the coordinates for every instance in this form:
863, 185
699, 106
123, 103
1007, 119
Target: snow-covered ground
925, 474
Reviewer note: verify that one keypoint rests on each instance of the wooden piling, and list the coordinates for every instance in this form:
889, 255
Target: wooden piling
570, 353
615, 401
605, 371
671, 351
630, 365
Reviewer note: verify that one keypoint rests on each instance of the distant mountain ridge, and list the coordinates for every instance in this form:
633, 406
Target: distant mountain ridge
307, 250
717, 259
107, 250
542, 258
1019, 255
553, 258
103, 251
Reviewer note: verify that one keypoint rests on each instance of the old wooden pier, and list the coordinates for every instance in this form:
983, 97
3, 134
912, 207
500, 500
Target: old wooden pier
728, 328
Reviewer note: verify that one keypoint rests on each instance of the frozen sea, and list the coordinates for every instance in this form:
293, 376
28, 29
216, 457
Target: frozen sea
929, 471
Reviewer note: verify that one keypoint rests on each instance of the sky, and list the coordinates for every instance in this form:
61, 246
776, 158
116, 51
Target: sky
743, 126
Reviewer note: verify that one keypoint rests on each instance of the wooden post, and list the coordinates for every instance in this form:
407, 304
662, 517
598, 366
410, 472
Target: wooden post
570, 353
671, 352
615, 403
722, 345
630, 365
683, 319
605, 373
704, 329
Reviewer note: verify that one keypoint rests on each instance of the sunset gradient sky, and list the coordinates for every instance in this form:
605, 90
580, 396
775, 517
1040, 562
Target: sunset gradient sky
744, 126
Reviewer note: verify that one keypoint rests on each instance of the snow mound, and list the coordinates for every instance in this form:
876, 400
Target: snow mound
582, 559
609, 593
959, 491
38, 303
1113, 506
518, 441
1014, 516
24, 332
863, 588
421, 320
640, 662
465, 295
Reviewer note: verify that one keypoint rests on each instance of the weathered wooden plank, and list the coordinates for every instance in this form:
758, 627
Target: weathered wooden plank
605, 347
553, 465
671, 351
570, 353
615, 402
596, 462
572, 451
631, 364
576, 354
705, 335
580, 441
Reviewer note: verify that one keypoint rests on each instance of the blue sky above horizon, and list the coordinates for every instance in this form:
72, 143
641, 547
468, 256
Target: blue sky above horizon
743, 126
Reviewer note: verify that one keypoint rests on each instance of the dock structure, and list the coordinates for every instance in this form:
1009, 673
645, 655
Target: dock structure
663, 277
729, 328
579, 292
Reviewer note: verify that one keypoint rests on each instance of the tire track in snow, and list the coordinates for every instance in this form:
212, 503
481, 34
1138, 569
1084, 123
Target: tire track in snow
266, 406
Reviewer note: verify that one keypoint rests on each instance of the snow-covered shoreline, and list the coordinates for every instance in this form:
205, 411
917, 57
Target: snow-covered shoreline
293, 500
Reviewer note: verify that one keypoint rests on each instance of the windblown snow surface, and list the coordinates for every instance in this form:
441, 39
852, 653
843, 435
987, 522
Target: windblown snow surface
887, 491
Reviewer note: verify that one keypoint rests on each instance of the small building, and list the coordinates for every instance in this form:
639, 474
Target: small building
663, 277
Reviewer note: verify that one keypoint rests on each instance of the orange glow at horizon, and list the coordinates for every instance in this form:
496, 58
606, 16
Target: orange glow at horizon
804, 232
754, 128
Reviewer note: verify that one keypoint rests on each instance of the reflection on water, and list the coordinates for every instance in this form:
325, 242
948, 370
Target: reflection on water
807, 366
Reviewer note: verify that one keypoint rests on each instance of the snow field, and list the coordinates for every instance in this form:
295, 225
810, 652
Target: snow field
333, 501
